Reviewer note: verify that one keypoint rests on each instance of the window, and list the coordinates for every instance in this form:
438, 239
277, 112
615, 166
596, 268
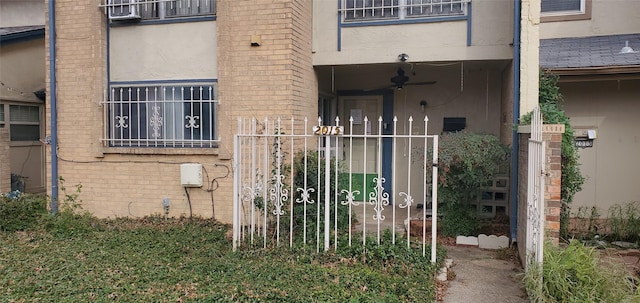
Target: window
24, 122
160, 9
561, 6
565, 10
161, 116
2, 119
371, 10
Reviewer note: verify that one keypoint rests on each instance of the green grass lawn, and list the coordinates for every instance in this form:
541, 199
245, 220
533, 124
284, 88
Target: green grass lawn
82, 259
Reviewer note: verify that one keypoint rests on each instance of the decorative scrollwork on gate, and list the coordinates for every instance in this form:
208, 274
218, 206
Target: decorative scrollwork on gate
305, 195
534, 222
278, 194
379, 199
408, 200
350, 196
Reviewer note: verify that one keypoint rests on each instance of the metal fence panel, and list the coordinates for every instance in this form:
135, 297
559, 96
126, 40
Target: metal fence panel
275, 191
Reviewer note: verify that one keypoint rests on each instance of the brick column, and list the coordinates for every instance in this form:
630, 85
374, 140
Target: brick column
552, 136
5, 160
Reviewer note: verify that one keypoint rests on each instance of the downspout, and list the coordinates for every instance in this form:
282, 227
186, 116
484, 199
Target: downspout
53, 107
516, 119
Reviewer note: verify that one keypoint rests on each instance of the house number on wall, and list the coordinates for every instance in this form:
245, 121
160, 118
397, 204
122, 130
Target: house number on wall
584, 143
328, 130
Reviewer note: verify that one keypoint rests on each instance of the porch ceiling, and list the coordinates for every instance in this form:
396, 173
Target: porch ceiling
369, 77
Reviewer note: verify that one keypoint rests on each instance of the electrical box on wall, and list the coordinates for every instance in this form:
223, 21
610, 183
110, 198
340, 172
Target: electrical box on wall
191, 175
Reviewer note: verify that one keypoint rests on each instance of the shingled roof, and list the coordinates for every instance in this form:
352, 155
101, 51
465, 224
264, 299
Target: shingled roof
19, 33
589, 52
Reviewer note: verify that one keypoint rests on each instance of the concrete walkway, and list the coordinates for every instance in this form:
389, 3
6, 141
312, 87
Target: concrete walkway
481, 278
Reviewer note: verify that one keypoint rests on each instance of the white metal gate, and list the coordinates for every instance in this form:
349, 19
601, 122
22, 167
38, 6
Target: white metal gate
270, 208
535, 192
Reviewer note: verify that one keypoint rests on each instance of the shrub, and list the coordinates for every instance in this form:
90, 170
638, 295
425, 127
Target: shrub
21, 211
468, 162
312, 183
577, 274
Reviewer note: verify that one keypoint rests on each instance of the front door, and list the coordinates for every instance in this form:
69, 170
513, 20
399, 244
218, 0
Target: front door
364, 156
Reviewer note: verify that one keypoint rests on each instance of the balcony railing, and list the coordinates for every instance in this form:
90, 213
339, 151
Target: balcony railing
158, 9
389, 10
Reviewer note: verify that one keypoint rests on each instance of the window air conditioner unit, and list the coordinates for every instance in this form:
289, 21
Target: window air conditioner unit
123, 9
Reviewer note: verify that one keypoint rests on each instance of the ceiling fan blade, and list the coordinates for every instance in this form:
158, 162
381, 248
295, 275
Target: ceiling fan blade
422, 83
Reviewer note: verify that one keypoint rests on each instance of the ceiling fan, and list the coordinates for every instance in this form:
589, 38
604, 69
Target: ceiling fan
401, 80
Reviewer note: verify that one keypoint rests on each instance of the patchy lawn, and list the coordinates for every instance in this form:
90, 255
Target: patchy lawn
150, 260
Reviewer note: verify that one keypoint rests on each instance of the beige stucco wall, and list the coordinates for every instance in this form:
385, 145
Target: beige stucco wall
163, 52
492, 32
608, 17
22, 70
529, 56
610, 166
21, 12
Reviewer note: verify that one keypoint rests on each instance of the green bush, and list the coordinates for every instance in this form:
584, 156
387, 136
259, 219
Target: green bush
468, 162
578, 274
22, 212
312, 183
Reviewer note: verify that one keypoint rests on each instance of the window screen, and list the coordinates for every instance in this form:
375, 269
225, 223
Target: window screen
561, 5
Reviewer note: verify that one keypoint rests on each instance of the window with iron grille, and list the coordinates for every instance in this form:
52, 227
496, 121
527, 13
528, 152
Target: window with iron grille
371, 10
161, 116
159, 9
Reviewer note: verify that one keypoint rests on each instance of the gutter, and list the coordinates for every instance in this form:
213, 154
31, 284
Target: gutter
513, 226
54, 107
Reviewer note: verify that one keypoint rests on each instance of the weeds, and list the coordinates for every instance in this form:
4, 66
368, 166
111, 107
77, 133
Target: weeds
576, 274
624, 222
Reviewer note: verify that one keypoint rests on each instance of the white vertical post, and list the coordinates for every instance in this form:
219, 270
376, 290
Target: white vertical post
292, 180
434, 199
236, 192
393, 180
327, 195
541, 203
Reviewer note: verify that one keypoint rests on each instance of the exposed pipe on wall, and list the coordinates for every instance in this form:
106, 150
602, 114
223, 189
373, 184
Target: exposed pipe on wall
515, 120
53, 107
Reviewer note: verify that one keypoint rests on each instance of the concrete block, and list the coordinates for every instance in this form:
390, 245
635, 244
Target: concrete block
463, 240
492, 241
442, 274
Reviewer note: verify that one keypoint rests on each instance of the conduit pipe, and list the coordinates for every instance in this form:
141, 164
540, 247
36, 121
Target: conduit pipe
516, 119
53, 107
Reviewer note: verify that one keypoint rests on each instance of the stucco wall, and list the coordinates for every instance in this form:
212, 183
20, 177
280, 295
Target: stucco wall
163, 52
611, 168
22, 70
492, 32
529, 55
21, 12
607, 18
